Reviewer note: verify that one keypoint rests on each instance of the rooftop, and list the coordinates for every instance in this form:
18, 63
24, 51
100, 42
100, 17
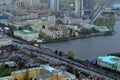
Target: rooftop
22, 71
4, 21
46, 74
4, 39
66, 74
110, 59
115, 6
26, 31
102, 28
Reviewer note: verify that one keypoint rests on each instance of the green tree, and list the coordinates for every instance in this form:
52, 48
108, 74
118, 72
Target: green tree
70, 54
32, 42
21, 64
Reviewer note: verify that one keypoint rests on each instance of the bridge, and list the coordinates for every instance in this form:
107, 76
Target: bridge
97, 13
52, 58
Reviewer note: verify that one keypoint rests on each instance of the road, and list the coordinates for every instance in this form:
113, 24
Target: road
53, 58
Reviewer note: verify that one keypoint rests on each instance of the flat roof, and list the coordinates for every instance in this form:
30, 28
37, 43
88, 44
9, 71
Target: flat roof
109, 59
46, 74
117, 5
4, 21
4, 38
26, 31
66, 74
102, 28
50, 69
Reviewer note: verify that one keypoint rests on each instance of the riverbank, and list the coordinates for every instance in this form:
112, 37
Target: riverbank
109, 33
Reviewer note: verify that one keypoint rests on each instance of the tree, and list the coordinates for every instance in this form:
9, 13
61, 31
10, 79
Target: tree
70, 54
21, 64
32, 42
56, 51
60, 53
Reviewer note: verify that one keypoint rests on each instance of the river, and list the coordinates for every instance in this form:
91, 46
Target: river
90, 48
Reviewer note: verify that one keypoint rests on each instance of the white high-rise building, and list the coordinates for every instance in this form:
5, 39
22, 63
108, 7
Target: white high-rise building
79, 8
55, 5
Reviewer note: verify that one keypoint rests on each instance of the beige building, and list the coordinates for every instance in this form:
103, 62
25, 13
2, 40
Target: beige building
45, 72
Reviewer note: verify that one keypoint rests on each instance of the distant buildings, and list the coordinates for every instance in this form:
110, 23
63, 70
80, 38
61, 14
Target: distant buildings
55, 5
79, 8
83, 8
21, 4
88, 8
33, 2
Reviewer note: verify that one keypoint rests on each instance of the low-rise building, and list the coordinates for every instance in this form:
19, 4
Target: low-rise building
19, 75
111, 62
26, 34
5, 40
53, 33
45, 72
10, 63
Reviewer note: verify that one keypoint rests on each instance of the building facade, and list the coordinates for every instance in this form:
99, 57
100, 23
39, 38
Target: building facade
88, 8
79, 8
19, 75
55, 5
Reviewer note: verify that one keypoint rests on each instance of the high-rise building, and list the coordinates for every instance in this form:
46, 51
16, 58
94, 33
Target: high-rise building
88, 8
20, 4
55, 5
88, 4
79, 8
34, 2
